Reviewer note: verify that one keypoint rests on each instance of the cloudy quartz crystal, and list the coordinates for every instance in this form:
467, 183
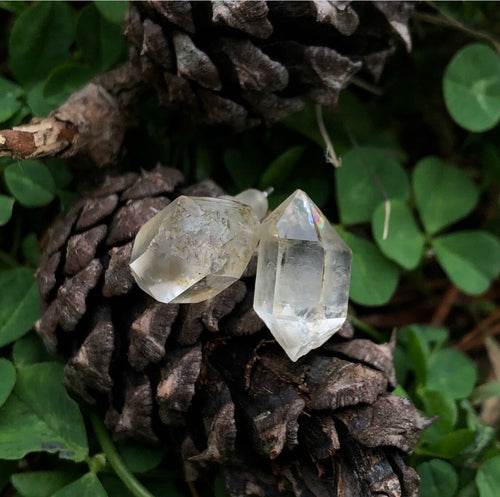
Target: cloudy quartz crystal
303, 275
194, 248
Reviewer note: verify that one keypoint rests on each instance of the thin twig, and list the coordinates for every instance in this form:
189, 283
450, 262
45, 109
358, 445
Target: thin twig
443, 309
192, 489
365, 85
444, 19
330, 154
489, 326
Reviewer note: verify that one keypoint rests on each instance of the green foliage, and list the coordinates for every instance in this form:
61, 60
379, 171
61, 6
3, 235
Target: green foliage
403, 242
9, 99
86, 486
30, 182
19, 304
488, 478
32, 52
8, 375
443, 194
41, 483
469, 258
373, 277
439, 380
439, 479
471, 87
39, 415
99, 39
415, 197
6, 205
53, 51
367, 177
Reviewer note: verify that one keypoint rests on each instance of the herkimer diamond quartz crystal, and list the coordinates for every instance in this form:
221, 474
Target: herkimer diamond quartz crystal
303, 275
194, 248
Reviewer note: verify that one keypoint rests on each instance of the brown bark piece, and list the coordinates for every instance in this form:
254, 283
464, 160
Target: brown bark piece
272, 107
59, 232
72, 295
271, 405
177, 386
151, 183
246, 322
375, 62
254, 69
335, 383
333, 70
206, 315
205, 188
249, 16
390, 421
40, 138
407, 476
339, 14
118, 279
194, 64
218, 417
99, 123
369, 353
148, 334
346, 330
249, 481
46, 326
129, 219
178, 93
89, 366
213, 310
398, 14
273, 420
95, 210
155, 45
303, 481
177, 12
320, 436
132, 25
46, 273
82, 247
219, 110
110, 184
374, 471
135, 419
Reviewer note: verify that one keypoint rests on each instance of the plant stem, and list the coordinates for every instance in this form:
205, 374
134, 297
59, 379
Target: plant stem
444, 19
367, 329
115, 460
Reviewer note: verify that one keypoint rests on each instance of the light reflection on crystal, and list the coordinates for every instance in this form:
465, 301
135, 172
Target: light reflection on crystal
303, 273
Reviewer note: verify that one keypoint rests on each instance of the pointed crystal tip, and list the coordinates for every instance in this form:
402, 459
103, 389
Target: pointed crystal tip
303, 275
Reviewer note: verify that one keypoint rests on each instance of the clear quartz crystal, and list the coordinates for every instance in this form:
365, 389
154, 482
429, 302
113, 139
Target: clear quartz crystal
303, 275
194, 248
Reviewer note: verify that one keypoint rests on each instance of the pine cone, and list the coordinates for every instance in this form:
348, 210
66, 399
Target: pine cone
209, 375
242, 62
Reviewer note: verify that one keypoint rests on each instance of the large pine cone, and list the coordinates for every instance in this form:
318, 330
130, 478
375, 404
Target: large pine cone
209, 374
240, 62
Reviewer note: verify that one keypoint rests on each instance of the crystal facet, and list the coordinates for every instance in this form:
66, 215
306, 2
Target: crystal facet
194, 248
303, 275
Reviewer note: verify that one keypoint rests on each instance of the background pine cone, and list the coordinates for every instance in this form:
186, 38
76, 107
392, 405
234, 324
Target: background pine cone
240, 62
209, 375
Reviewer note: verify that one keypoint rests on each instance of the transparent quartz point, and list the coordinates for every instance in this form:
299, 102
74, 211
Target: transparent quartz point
194, 248
303, 275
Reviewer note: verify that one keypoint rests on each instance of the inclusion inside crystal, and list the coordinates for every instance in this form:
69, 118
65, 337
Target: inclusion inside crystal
194, 248
303, 274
